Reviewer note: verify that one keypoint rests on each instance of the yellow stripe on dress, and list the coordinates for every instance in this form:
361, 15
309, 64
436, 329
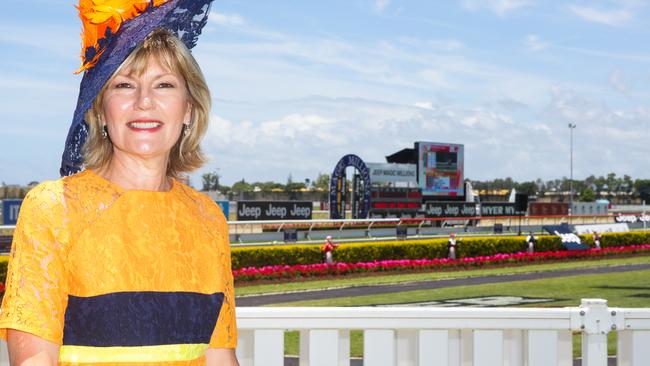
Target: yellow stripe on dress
169, 352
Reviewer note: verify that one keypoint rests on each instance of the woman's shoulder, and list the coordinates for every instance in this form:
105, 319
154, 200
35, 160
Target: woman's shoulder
202, 200
49, 191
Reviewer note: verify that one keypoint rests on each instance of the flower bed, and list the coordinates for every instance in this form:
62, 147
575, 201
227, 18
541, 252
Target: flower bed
340, 269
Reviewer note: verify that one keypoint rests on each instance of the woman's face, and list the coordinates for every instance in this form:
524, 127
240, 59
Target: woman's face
145, 114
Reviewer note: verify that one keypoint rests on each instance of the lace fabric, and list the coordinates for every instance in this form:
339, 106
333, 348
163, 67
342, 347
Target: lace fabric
82, 237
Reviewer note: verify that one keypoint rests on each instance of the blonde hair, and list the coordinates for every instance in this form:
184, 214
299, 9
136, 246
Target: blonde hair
186, 154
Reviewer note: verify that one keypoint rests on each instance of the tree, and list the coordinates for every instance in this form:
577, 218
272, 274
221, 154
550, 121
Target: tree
322, 182
295, 186
642, 188
210, 181
242, 186
528, 188
587, 195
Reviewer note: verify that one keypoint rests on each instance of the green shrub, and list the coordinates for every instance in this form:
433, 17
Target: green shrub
415, 249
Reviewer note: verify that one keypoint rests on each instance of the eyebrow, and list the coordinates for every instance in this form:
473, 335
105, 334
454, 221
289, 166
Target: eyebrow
130, 74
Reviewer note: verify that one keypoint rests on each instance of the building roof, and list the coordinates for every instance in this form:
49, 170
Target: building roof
404, 156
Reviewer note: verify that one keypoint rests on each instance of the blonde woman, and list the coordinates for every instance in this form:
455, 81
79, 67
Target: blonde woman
121, 263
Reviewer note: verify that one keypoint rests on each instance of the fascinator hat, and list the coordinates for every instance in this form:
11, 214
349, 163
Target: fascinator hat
112, 30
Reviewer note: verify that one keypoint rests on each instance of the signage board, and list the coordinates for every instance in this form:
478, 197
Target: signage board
391, 173
10, 209
440, 169
274, 210
449, 209
499, 209
468, 209
632, 218
602, 228
225, 207
570, 240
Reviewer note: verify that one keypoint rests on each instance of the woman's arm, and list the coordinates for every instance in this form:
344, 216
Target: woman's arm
26, 349
221, 357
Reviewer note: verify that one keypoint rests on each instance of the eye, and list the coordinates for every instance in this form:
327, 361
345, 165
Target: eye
166, 85
123, 85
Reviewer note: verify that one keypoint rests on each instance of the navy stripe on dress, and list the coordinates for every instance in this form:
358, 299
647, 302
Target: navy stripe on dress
130, 319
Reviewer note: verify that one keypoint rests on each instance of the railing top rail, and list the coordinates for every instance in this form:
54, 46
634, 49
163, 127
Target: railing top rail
405, 318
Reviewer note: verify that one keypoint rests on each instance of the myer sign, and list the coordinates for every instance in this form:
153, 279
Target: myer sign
274, 210
383, 173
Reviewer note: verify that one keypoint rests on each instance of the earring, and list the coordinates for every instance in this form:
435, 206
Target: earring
186, 129
104, 132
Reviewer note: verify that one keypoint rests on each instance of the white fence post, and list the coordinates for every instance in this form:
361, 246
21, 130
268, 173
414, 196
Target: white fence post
433, 347
324, 347
488, 347
269, 348
594, 320
245, 351
379, 348
634, 337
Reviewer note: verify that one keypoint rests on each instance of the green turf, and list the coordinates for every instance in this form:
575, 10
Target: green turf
629, 289
377, 279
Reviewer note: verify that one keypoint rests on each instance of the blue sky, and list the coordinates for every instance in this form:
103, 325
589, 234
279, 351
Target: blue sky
298, 84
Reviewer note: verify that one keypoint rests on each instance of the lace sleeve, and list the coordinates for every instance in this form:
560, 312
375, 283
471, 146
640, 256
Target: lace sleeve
36, 288
225, 333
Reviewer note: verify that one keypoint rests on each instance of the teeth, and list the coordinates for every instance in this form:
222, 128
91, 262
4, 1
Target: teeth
144, 125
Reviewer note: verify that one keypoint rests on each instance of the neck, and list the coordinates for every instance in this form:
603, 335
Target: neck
134, 174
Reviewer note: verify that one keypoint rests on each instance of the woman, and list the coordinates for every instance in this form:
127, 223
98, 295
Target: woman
121, 263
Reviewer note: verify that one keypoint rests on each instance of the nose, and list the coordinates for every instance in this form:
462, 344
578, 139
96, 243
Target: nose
144, 99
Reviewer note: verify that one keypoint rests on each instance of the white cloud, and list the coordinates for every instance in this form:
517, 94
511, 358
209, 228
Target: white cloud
617, 81
534, 43
620, 13
424, 105
499, 7
381, 5
227, 20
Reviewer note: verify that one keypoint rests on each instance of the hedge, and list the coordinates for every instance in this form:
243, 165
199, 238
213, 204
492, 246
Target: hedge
406, 249
415, 249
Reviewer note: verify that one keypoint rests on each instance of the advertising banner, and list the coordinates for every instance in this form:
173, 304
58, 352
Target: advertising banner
631, 218
273, 210
391, 173
468, 209
602, 228
225, 207
499, 209
449, 209
10, 209
440, 169
570, 240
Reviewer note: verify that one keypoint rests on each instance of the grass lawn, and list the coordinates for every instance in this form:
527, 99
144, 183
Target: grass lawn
243, 289
628, 289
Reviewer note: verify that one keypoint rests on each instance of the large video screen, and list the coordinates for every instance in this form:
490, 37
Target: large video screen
440, 169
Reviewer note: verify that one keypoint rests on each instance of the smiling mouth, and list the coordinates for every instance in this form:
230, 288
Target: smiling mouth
145, 125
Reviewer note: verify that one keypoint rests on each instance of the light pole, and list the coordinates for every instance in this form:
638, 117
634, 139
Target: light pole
571, 127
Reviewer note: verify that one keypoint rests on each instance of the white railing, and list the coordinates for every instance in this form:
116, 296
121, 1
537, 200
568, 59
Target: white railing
418, 336
410, 336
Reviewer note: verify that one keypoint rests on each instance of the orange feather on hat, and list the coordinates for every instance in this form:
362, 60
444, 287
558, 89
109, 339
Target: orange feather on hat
98, 16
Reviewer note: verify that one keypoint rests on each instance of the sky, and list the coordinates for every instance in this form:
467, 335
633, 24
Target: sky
296, 85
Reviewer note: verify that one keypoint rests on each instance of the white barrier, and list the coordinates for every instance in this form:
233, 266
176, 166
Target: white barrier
403, 336
418, 336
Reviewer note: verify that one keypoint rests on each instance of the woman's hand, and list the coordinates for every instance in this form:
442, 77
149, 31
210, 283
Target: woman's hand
221, 357
26, 349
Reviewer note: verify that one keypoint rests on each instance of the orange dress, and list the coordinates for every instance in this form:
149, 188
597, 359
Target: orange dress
120, 276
